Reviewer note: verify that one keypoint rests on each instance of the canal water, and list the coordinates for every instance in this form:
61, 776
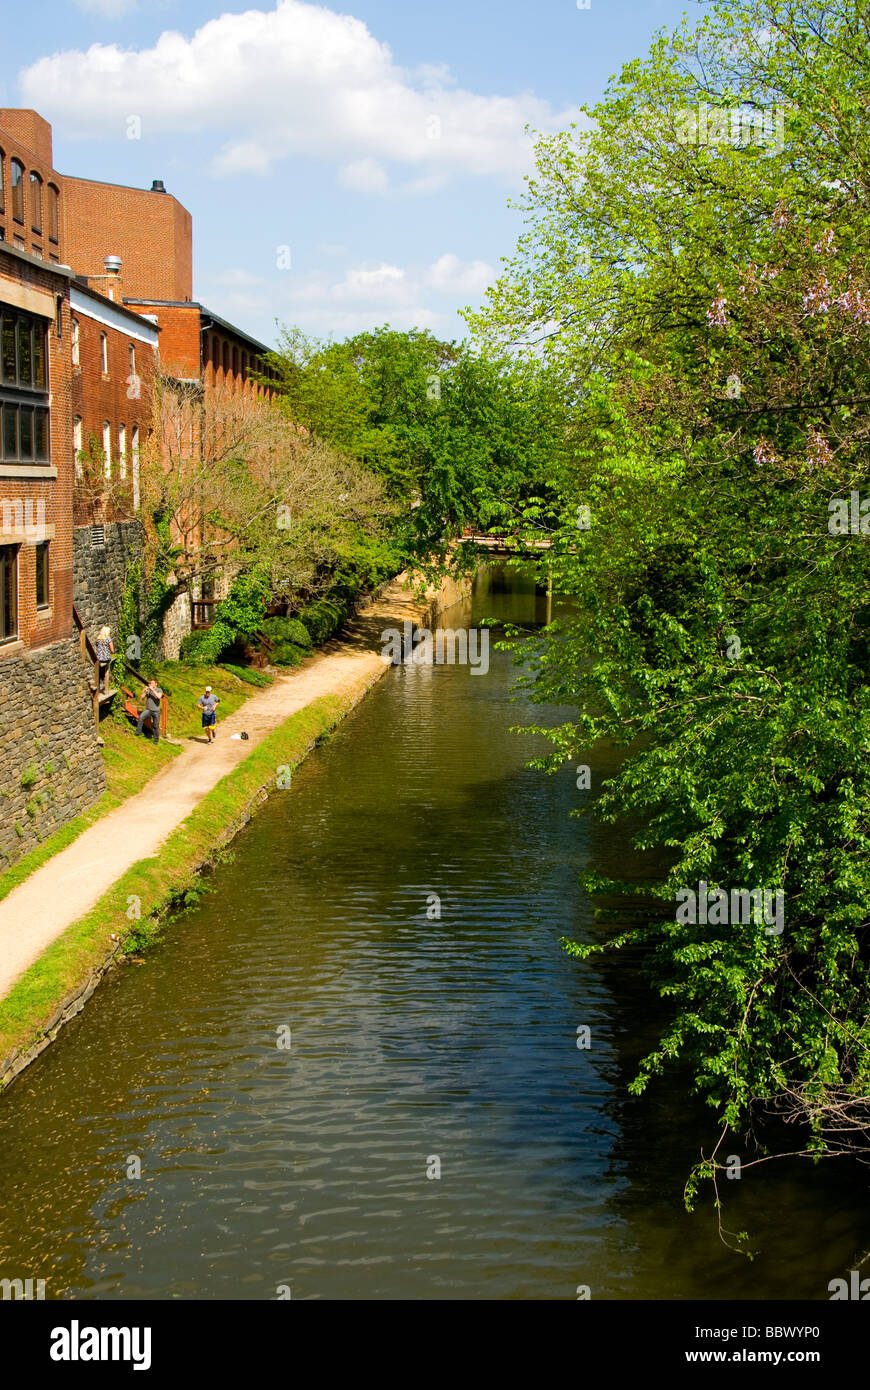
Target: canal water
352, 1070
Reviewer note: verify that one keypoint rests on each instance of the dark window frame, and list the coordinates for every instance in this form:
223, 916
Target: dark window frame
53, 213
36, 208
25, 424
8, 593
17, 190
43, 575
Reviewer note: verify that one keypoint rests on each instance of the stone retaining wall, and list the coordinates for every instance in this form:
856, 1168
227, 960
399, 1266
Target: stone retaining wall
100, 572
50, 764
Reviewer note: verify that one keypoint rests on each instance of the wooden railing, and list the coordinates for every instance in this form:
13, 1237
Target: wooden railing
202, 612
89, 654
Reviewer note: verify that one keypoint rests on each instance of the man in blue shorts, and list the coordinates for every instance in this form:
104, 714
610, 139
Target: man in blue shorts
208, 703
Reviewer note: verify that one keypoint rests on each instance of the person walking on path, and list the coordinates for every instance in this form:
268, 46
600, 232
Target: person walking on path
104, 647
152, 695
208, 703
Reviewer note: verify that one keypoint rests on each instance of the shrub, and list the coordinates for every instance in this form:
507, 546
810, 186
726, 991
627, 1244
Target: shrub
287, 630
286, 654
321, 619
247, 674
202, 648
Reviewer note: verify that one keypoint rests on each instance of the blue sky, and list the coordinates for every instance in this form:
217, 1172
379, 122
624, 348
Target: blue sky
373, 146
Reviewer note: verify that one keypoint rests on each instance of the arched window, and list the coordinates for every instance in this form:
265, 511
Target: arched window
77, 444
122, 450
76, 338
53, 213
134, 440
35, 202
17, 180
104, 354
107, 448
132, 356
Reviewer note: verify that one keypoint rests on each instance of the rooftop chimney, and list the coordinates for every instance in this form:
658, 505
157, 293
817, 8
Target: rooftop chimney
158, 186
113, 273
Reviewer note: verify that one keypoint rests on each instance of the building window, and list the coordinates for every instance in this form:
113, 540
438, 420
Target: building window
122, 450
17, 180
42, 574
134, 440
77, 445
107, 448
76, 343
8, 592
226, 358
58, 318
132, 354
104, 354
35, 202
2, 182
53, 213
23, 388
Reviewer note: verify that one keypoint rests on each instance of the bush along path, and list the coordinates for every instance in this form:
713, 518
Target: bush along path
59, 927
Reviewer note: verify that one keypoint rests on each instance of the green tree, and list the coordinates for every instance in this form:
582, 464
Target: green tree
711, 302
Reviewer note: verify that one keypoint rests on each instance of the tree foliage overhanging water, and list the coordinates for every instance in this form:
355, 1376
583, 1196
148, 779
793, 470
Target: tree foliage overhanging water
695, 269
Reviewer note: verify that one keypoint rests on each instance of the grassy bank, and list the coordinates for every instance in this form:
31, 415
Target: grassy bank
155, 884
131, 762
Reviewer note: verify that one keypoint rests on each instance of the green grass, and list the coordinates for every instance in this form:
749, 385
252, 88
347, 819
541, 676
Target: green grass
131, 762
184, 685
159, 882
248, 674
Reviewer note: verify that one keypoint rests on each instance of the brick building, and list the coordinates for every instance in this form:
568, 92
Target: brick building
147, 228
114, 356
96, 295
51, 767
31, 201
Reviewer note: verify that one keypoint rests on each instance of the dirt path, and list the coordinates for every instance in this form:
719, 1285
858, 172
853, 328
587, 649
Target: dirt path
71, 882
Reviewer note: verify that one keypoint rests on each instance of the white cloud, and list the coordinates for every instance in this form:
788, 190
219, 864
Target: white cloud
366, 296
449, 275
298, 79
107, 9
364, 176
236, 278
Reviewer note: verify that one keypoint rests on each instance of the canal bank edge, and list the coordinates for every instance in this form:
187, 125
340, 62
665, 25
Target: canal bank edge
35, 1009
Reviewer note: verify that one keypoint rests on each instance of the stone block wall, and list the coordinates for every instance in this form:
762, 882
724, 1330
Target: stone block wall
177, 623
99, 573
50, 763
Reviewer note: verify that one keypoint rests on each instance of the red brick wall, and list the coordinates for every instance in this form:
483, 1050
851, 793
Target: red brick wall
27, 137
179, 336
98, 397
151, 232
56, 495
229, 364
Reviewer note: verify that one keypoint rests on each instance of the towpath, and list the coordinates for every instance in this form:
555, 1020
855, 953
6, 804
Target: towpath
68, 885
